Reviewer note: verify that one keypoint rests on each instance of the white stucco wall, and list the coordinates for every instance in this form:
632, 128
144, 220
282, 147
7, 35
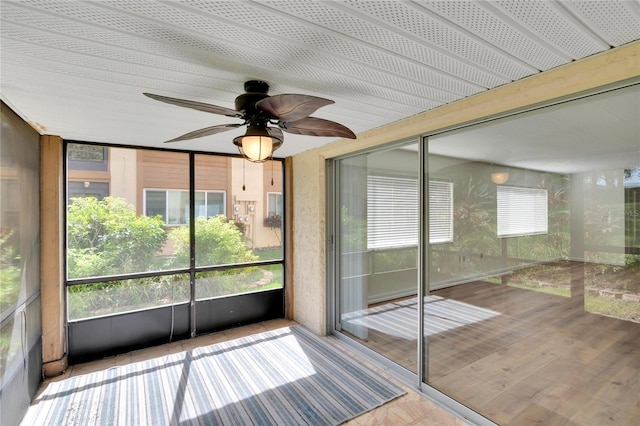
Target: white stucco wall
308, 227
123, 174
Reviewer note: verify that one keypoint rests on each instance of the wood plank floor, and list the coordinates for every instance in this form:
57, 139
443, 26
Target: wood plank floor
540, 360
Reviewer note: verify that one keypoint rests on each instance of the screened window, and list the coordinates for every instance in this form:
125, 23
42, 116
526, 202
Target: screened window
173, 205
521, 211
392, 212
121, 234
129, 252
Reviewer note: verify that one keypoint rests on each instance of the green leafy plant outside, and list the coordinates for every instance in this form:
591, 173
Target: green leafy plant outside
107, 238
9, 273
10, 276
218, 242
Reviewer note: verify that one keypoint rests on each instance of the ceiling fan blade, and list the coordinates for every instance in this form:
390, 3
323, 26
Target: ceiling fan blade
207, 131
312, 126
275, 132
200, 106
291, 107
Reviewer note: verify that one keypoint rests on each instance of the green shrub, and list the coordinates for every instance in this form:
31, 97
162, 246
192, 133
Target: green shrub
87, 300
9, 273
107, 237
218, 242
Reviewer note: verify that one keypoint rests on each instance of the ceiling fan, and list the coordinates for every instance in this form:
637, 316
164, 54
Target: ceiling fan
265, 117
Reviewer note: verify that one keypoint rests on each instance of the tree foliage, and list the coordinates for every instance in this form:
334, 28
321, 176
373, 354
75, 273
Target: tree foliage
218, 242
9, 272
107, 237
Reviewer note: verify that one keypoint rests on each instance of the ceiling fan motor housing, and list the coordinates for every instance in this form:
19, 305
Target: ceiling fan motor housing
256, 90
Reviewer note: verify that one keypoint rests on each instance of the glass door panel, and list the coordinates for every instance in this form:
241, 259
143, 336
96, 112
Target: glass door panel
377, 250
533, 307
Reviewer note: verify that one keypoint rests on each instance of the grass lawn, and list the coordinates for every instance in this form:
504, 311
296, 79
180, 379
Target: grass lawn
269, 254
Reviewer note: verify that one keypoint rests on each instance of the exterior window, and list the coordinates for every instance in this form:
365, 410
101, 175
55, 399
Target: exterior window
177, 207
215, 204
522, 211
274, 210
87, 157
392, 212
173, 205
274, 204
156, 204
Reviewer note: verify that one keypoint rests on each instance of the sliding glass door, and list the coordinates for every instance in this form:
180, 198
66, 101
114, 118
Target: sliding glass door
536, 299
377, 223
503, 270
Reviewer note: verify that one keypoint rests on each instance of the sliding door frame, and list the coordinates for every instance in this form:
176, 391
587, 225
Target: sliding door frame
417, 380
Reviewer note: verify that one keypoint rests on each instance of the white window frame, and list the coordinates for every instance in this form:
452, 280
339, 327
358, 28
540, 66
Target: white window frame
277, 194
521, 211
393, 212
224, 201
166, 207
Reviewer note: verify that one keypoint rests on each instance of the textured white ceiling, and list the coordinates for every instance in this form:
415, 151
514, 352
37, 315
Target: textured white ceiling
78, 69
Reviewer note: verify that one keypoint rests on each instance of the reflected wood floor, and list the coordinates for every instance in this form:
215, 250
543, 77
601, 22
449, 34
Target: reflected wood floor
409, 409
541, 360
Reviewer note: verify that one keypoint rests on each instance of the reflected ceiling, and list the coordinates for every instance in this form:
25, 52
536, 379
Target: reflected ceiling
599, 132
78, 69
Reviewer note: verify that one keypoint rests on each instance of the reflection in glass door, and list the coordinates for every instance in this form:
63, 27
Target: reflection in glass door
530, 262
377, 227
533, 307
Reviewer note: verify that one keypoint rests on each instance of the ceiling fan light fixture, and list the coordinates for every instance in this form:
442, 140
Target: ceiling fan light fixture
256, 148
257, 144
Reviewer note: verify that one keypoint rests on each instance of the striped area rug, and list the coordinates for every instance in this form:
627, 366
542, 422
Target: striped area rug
287, 376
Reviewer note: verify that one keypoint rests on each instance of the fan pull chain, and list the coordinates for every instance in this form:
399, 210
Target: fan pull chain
271, 171
243, 176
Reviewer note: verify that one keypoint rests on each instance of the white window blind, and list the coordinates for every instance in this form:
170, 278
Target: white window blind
521, 211
440, 212
393, 212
